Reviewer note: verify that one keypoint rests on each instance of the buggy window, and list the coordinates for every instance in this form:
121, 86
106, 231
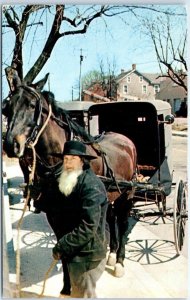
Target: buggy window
139, 122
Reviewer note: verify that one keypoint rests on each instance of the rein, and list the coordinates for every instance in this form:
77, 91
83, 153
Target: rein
32, 146
43, 127
31, 143
74, 132
36, 132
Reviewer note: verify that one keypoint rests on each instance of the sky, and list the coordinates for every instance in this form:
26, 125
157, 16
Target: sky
110, 42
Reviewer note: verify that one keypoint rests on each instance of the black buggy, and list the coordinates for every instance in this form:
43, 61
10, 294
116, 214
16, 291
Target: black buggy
148, 125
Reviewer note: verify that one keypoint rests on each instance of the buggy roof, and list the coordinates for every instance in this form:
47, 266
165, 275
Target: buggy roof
159, 105
76, 105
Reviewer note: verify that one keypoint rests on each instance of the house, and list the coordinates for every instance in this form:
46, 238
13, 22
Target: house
94, 97
134, 85
174, 94
128, 85
106, 88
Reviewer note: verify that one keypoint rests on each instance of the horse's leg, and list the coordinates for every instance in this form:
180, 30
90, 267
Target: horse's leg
26, 174
54, 223
66, 290
112, 222
123, 208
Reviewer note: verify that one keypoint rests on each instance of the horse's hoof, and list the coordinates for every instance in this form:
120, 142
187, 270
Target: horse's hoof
65, 292
119, 270
37, 211
111, 259
64, 296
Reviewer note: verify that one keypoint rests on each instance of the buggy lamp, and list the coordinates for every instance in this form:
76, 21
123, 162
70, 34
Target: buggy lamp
169, 119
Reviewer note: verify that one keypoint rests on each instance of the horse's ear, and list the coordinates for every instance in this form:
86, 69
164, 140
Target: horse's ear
12, 78
40, 84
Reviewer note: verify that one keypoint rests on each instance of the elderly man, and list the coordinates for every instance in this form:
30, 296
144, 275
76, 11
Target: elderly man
82, 204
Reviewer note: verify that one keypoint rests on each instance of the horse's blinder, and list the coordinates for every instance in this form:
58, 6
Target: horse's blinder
37, 114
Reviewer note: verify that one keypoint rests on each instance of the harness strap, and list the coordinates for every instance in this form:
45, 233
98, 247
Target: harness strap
47, 170
108, 172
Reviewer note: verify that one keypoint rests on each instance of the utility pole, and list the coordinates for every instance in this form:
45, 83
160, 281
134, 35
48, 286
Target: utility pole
80, 83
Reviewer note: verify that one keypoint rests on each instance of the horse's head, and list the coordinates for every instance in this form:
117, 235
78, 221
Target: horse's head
23, 109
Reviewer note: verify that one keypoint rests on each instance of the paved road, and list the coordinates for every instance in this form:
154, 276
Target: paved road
152, 268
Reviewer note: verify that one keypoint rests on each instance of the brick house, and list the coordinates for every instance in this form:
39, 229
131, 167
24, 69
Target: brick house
107, 88
94, 97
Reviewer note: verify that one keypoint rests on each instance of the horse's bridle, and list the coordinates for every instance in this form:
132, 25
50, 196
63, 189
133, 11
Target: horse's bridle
37, 114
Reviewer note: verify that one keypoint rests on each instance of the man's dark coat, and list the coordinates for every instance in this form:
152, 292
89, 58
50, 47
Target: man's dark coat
79, 219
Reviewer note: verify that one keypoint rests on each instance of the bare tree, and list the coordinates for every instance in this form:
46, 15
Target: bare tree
66, 20
104, 78
171, 52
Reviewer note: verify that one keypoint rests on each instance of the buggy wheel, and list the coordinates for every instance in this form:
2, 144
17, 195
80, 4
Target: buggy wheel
179, 215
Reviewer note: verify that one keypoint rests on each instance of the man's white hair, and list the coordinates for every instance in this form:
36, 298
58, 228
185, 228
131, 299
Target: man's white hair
68, 180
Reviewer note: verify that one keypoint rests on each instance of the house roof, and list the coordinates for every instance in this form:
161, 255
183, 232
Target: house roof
151, 77
104, 99
75, 105
122, 75
170, 90
160, 105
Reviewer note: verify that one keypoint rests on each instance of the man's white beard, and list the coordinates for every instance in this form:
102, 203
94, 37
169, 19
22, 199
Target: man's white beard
68, 180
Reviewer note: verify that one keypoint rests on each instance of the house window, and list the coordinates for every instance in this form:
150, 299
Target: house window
140, 79
156, 88
177, 104
144, 89
125, 89
128, 79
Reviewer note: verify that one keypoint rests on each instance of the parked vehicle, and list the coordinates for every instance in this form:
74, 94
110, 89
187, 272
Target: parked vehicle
148, 125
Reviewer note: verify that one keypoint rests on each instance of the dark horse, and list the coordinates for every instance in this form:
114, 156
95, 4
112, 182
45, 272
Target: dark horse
26, 110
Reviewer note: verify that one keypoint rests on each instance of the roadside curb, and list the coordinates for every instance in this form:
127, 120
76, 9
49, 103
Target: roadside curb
179, 133
8, 246
6, 210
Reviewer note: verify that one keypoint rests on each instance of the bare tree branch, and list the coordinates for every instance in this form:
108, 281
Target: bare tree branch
77, 21
49, 45
167, 53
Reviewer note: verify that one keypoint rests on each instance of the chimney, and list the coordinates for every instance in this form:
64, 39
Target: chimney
133, 66
122, 70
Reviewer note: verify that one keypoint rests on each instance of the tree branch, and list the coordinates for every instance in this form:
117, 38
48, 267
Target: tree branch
86, 21
49, 45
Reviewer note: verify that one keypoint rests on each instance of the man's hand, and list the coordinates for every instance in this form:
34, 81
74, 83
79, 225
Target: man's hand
57, 252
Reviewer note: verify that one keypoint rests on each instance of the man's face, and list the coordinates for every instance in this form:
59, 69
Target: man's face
72, 163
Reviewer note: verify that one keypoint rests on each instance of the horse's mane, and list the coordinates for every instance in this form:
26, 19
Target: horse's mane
63, 114
50, 98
